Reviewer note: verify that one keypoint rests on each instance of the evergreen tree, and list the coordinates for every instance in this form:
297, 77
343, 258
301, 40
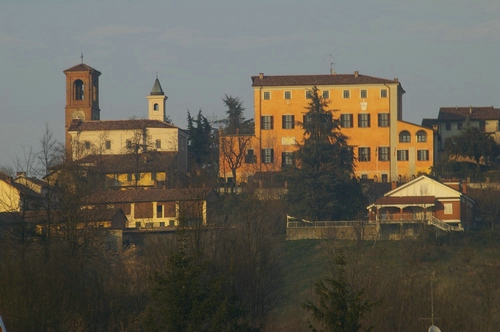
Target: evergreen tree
339, 306
191, 296
235, 123
321, 185
202, 144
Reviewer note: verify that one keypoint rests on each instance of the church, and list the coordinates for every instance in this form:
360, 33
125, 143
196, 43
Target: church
129, 153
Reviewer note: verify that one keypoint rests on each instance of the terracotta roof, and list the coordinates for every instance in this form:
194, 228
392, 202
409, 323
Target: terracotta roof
82, 67
473, 112
151, 161
311, 80
147, 195
408, 200
79, 125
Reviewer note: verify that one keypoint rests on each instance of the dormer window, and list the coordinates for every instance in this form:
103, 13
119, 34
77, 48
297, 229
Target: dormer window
79, 90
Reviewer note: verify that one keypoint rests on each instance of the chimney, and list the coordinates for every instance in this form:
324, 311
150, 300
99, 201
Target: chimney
21, 174
261, 76
394, 185
396, 79
356, 73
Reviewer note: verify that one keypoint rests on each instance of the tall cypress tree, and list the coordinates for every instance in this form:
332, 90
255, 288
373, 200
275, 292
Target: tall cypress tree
321, 185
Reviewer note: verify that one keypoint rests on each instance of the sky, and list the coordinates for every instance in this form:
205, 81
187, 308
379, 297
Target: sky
444, 53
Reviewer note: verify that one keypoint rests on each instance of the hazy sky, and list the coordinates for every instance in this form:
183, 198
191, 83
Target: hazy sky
445, 53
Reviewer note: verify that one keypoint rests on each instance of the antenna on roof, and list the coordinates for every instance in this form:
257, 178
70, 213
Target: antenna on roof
81, 57
332, 71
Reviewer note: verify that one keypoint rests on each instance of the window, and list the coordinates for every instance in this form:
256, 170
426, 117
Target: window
383, 119
138, 224
267, 95
162, 224
363, 154
266, 122
129, 177
448, 125
250, 157
306, 118
108, 145
267, 156
288, 94
153, 176
346, 94
129, 144
422, 155
364, 120
79, 90
448, 208
326, 94
383, 93
460, 125
87, 145
159, 211
309, 94
364, 94
384, 178
288, 121
404, 137
158, 143
421, 136
402, 155
286, 159
346, 120
383, 153
364, 176
156, 107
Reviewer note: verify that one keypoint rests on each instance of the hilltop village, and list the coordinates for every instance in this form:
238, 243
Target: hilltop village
156, 172
325, 156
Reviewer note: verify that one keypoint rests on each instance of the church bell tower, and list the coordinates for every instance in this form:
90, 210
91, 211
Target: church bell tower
82, 95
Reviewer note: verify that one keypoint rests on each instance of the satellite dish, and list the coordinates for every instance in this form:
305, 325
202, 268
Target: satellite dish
434, 328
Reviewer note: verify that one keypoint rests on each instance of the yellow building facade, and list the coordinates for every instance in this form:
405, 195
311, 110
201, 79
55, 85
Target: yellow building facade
369, 109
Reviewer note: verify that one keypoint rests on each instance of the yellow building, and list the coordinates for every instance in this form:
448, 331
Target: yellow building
371, 115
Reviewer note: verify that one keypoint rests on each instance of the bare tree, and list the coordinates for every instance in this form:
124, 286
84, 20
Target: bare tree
233, 149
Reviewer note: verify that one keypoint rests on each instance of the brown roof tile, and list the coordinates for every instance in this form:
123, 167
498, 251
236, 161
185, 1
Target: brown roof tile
473, 112
311, 80
151, 161
82, 67
148, 195
79, 125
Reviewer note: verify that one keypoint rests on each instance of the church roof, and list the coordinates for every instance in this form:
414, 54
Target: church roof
82, 67
310, 80
151, 161
79, 125
157, 90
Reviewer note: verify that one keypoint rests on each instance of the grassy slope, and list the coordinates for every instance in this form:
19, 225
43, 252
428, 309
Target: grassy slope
465, 266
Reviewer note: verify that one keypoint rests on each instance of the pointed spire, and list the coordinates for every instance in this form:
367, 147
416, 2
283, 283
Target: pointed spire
157, 90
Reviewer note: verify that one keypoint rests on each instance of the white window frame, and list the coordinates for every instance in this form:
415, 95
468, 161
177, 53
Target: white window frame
287, 95
346, 94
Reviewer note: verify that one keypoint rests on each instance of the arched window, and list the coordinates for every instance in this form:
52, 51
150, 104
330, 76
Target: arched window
404, 137
79, 90
421, 136
156, 107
